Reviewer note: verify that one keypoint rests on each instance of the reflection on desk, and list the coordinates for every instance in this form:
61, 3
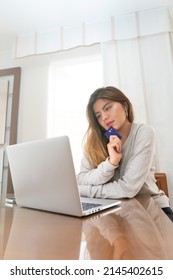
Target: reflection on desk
138, 230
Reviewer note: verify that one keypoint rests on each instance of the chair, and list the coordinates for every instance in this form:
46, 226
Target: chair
161, 182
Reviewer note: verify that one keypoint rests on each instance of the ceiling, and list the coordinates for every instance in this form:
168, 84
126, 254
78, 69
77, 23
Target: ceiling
24, 16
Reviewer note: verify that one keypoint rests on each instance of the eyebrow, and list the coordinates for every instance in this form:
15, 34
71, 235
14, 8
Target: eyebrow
103, 107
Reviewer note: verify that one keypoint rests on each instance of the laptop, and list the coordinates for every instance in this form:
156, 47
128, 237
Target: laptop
44, 178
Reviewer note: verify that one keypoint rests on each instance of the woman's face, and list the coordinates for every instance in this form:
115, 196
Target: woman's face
109, 113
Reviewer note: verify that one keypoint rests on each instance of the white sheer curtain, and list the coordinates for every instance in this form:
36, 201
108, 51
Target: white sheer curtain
122, 27
143, 69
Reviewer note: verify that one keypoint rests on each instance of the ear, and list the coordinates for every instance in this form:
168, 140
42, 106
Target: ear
126, 112
125, 104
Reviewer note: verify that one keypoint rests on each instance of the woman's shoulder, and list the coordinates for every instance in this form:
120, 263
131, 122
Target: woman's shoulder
143, 128
143, 131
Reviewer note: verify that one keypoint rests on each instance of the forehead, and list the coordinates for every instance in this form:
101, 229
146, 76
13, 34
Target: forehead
99, 104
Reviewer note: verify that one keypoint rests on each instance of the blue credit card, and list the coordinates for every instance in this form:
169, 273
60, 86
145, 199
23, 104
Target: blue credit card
112, 131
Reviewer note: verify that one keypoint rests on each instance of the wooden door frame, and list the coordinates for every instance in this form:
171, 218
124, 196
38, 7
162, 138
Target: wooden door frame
16, 73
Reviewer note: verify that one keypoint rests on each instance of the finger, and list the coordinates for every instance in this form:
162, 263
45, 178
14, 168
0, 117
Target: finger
114, 137
116, 145
116, 142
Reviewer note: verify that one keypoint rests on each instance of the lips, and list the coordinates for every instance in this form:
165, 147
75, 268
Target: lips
109, 124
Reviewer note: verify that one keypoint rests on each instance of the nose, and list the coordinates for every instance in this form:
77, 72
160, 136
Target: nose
104, 116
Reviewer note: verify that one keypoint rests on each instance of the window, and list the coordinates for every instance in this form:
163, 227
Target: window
71, 83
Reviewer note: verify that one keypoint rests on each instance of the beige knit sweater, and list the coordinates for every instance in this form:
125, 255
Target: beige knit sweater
134, 175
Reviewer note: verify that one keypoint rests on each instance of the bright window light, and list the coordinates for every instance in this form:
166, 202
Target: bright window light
70, 88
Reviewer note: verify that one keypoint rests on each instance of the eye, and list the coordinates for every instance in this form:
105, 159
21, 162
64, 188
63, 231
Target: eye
107, 108
98, 117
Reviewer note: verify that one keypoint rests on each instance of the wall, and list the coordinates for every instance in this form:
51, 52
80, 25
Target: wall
33, 95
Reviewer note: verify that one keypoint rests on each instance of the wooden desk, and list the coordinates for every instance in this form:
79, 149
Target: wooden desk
139, 230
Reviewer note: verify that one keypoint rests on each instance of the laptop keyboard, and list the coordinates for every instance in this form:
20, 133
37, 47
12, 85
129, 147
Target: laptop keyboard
87, 205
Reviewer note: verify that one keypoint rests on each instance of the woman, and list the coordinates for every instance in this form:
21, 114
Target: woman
118, 168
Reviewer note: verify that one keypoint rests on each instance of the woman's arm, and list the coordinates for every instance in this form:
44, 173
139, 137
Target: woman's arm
100, 175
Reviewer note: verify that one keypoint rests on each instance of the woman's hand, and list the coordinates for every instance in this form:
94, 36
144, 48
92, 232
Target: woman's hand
114, 149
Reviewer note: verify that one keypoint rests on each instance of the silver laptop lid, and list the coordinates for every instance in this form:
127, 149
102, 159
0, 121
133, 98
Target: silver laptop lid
43, 175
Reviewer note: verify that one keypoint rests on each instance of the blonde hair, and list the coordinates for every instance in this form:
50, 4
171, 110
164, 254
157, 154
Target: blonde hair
95, 143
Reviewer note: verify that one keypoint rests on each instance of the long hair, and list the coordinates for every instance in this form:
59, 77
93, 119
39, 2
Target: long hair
95, 143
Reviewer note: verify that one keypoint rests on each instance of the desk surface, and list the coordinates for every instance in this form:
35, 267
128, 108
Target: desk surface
138, 230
